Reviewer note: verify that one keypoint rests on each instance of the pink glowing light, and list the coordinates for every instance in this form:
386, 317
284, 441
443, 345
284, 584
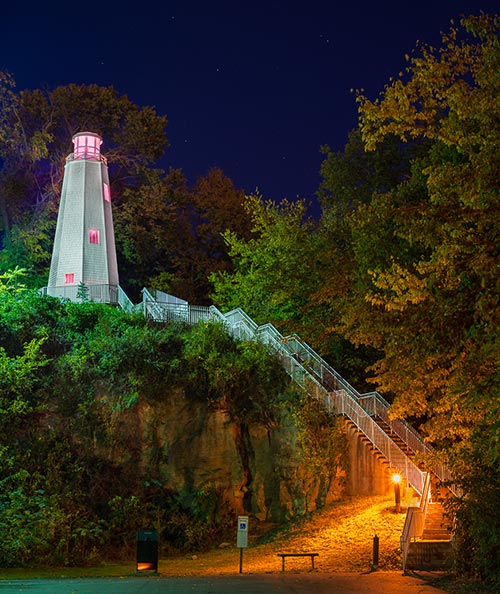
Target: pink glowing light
106, 192
93, 235
87, 146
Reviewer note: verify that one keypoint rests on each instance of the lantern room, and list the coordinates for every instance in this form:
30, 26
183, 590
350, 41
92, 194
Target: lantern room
87, 145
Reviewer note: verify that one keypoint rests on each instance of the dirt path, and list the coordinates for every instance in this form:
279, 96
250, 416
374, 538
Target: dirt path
342, 535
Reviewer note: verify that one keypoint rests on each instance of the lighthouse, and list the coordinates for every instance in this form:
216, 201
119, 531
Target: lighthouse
84, 261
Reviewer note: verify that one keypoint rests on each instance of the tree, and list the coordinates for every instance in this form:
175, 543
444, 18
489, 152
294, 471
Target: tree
212, 207
169, 235
431, 302
272, 276
451, 99
10, 135
350, 181
147, 229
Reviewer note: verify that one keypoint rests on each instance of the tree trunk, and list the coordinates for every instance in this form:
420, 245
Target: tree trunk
246, 453
5, 236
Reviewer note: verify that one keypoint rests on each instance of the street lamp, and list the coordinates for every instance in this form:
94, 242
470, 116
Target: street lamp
396, 479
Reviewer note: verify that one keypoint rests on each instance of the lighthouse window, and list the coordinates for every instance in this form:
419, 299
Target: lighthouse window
107, 193
69, 278
93, 236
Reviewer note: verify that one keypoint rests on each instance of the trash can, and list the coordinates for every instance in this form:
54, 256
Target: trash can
147, 550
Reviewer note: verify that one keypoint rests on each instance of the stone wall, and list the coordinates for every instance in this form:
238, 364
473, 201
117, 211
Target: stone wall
368, 472
262, 472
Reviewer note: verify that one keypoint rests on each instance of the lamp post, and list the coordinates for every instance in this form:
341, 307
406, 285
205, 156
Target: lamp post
396, 479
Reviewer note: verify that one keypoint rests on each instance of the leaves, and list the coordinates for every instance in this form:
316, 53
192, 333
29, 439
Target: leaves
272, 279
237, 377
425, 264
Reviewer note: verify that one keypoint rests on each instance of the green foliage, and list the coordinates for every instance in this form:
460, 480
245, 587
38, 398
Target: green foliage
10, 281
18, 376
74, 378
22, 520
198, 519
238, 377
478, 521
320, 437
272, 278
424, 284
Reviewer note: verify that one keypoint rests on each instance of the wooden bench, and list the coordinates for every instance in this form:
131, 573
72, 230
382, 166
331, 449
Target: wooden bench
284, 555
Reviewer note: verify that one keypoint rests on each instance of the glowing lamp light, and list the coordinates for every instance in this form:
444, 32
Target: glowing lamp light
396, 479
146, 566
87, 145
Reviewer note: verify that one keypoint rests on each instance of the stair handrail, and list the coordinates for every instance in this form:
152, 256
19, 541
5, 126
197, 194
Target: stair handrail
151, 308
124, 302
397, 458
400, 426
332, 379
415, 520
339, 402
308, 369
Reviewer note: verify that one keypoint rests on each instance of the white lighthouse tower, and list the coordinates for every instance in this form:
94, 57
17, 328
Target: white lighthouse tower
84, 254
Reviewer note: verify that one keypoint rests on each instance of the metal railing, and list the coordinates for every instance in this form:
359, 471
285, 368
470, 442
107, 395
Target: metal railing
84, 292
124, 301
160, 309
374, 404
89, 155
415, 520
319, 379
397, 458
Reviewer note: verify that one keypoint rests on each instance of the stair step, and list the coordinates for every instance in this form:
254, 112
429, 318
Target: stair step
431, 535
429, 555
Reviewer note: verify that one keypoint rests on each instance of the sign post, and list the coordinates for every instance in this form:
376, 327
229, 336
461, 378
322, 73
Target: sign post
242, 537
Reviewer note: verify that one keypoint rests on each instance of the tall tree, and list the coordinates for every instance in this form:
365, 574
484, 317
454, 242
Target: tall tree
206, 210
350, 180
430, 302
149, 230
440, 279
272, 278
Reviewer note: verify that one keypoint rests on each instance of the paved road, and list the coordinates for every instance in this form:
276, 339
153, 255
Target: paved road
326, 583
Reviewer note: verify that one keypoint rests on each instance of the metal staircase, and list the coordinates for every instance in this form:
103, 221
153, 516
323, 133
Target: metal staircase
394, 440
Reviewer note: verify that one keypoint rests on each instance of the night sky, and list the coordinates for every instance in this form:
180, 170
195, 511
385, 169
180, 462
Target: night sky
255, 88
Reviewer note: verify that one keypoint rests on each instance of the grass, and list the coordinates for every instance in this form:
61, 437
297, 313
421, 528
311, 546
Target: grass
342, 534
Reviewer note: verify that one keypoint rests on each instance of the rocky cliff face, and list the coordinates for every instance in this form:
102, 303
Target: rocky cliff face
257, 471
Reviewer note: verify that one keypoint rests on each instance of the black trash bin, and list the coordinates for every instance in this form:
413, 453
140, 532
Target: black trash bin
147, 550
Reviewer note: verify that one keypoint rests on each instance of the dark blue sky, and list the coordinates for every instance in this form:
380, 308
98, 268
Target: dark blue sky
254, 88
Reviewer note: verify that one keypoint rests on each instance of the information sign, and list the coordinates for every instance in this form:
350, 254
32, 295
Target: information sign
242, 535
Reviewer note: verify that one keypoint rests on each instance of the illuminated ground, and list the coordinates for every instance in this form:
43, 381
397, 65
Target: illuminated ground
342, 535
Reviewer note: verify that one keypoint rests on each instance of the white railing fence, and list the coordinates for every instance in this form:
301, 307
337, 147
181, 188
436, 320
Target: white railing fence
415, 520
311, 372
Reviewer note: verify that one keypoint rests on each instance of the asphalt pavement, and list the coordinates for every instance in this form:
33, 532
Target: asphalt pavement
287, 583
